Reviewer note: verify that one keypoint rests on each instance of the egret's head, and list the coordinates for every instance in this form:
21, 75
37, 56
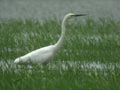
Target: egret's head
69, 15
75, 15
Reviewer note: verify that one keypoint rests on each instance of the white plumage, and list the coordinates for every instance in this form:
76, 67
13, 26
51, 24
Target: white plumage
45, 54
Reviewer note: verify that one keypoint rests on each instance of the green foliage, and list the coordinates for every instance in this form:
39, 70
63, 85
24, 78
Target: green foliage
60, 78
97, 41
90, 40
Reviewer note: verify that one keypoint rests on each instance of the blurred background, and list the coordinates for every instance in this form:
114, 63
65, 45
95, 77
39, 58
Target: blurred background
89, 58
42, 9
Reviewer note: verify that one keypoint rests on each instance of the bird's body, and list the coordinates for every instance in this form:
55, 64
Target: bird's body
39, 56
45, 54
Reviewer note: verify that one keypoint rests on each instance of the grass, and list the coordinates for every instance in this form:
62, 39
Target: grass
59, 79
89, 41
93, 40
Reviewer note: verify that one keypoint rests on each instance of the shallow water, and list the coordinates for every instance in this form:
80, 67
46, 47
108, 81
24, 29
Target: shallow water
42, 9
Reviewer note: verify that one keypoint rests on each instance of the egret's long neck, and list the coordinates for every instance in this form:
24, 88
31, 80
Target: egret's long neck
60, 41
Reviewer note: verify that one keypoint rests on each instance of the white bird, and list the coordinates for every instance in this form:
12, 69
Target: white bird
45, 54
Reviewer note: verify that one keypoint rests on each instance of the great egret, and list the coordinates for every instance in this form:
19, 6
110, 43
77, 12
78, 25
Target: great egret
45, 54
